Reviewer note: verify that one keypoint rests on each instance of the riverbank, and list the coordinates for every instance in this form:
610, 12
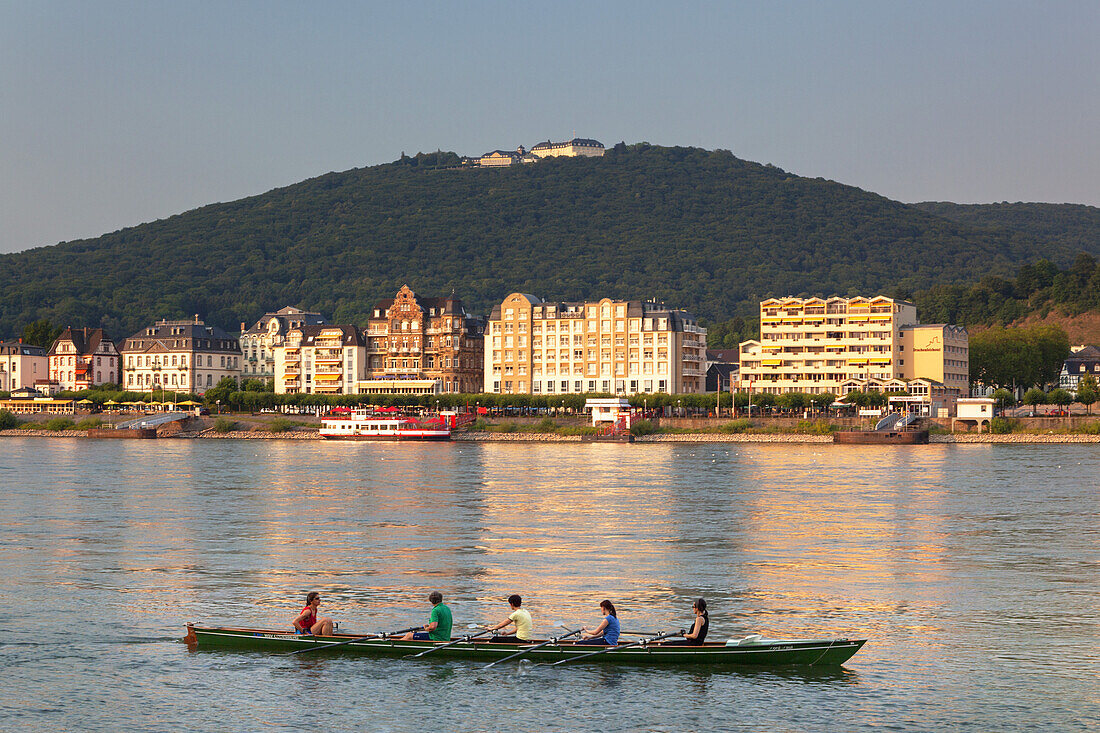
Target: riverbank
485, 437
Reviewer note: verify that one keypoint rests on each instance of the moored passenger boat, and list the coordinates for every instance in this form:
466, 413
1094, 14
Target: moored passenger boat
366, 425
751, 650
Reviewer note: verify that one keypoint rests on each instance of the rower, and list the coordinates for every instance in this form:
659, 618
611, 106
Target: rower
307, 622
438, 627
607, 633
520, 617
699, 627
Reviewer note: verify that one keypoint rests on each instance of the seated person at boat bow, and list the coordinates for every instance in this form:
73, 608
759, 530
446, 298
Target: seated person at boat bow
439, 623
522, 620
699, 627
307, 621
607, 633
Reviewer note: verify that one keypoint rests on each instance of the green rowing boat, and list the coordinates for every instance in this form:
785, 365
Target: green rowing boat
752, 650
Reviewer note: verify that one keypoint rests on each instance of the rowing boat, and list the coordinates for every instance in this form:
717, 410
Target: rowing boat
751, 650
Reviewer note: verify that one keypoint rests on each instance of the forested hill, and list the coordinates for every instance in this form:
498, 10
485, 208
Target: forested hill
700, 229
1066, 227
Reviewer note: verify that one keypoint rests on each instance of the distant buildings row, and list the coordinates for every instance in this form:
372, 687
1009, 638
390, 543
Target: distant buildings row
425, 345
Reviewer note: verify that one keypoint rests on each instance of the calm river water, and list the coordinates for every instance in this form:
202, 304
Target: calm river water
974, 570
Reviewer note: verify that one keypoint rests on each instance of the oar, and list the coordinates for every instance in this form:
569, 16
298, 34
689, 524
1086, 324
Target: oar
468, 637
552, 640
382, 635
642, 642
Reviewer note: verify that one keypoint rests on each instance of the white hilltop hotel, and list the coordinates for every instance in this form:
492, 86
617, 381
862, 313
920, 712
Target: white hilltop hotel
578, 147
841, 345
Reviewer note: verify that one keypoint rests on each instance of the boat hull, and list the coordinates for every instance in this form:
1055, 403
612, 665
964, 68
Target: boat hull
764, 652
417, 435
881, 437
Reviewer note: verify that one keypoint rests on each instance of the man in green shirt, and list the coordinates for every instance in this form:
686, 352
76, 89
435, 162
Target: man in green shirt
439, 623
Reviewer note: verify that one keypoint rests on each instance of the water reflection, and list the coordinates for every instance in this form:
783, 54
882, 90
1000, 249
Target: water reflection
967, 566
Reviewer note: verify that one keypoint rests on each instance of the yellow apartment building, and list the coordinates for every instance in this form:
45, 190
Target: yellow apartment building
320, 360
842, 344
613, 346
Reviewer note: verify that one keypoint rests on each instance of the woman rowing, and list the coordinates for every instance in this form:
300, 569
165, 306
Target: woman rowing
607, 633
699, 627
307, 622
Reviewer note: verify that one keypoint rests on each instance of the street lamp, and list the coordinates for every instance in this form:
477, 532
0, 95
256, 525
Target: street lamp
679, 410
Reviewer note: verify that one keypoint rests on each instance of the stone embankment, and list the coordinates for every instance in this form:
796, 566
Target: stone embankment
258, 435
735, 438
478, 437
44, 433
1014, 438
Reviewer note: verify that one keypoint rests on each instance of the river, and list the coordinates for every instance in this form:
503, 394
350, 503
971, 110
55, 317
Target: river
973, 570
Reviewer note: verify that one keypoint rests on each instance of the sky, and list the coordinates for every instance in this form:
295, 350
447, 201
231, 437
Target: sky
118, 113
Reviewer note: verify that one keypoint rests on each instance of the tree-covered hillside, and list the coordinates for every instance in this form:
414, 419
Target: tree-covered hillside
1065, 227
700, 229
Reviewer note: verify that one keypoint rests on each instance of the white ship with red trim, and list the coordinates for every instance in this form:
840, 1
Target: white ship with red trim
369, 425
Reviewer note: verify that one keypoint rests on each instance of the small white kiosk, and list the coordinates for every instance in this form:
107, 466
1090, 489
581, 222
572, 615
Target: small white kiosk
974, 411
608, 410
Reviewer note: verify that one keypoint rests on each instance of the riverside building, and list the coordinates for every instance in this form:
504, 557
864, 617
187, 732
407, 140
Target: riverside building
81, 358
21, 365
613, 346
840, 345
184, 356
421, 345
320, 360
258, 343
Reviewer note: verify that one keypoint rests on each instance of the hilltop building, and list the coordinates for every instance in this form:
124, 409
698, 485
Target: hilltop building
258, 343
577, 147
185, 356
316, 359
21, 365
1085, 360
423, 345
500, 158
613, 346
841, 345
81, 358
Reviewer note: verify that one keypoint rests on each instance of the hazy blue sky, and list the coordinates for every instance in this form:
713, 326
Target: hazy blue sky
115, 113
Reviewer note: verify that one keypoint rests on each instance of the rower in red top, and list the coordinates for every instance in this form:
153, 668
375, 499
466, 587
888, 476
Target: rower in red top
307, 621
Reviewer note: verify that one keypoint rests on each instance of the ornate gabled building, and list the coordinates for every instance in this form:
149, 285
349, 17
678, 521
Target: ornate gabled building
258, 343
430, 340
81, 358
185, 356
328, 359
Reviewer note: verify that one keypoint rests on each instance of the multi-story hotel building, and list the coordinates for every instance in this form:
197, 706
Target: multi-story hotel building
81, 358
258, 343
577, 147
840, 345
615, 346
328, 359
433, 341
187, 356
21, 365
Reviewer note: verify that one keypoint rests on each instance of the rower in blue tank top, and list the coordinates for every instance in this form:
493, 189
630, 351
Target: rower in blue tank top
607, 633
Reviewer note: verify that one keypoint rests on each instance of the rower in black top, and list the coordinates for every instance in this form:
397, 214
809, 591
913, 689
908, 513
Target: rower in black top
699, 628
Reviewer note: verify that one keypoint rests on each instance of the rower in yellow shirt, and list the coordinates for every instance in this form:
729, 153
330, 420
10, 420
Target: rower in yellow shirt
518, 617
